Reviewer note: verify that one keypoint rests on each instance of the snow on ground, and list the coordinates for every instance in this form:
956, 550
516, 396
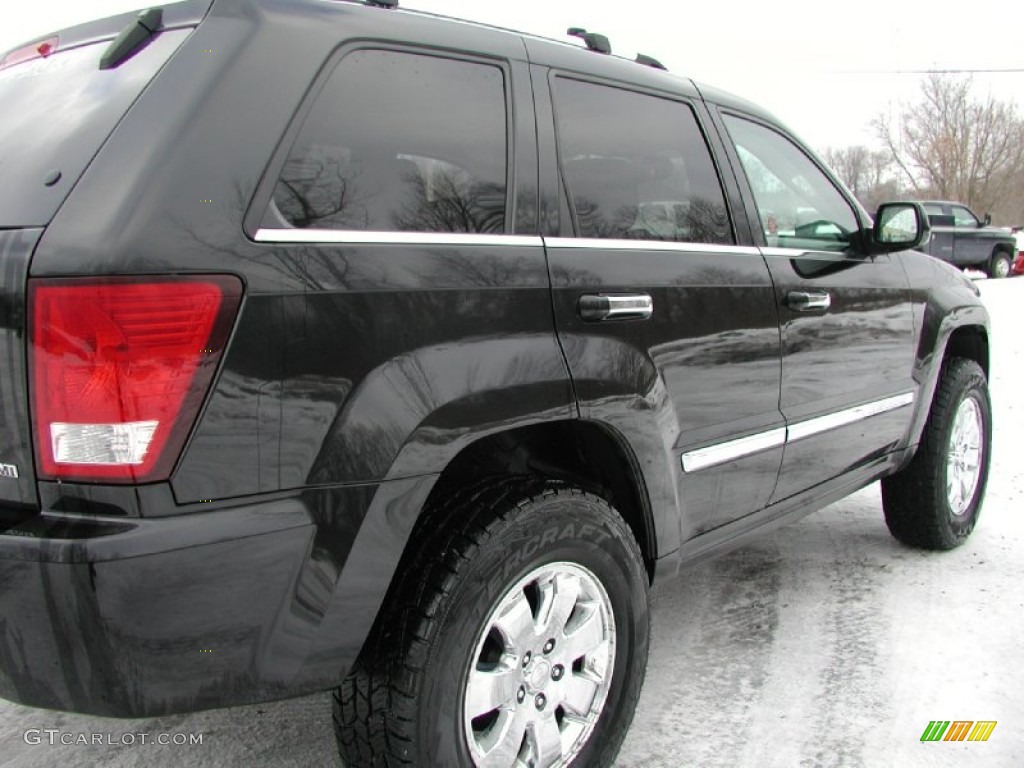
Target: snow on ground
823, 644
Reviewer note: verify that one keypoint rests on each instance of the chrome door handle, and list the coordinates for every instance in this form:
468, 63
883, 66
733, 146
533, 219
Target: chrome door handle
632, 306
808, 301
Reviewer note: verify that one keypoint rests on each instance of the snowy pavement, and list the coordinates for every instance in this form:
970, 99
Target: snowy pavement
823, 644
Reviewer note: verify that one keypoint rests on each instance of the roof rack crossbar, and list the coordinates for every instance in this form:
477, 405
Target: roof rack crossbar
595, 42
649, 61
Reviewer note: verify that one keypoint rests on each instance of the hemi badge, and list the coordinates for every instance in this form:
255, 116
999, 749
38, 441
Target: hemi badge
9, 470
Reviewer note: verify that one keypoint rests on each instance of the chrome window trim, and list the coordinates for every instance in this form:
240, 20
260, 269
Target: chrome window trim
713, 455
843, 418
799, 253
594, 243
356, 237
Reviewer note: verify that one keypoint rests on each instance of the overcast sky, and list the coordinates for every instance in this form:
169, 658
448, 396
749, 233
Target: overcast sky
824, 68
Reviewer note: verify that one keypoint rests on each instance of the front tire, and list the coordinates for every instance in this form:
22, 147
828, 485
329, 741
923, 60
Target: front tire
1000, 265
934, 502
516, 635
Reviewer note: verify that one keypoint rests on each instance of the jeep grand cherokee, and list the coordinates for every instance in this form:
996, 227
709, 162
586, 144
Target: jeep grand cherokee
342, 350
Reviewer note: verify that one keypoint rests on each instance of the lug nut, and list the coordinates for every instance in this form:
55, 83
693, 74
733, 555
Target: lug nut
557, 672
521, 695
526, 658
549, 646
541, 701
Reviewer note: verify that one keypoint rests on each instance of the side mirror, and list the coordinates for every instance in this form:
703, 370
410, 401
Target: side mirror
988, 220
899, 227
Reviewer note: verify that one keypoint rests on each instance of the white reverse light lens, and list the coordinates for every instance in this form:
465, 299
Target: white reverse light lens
102, 443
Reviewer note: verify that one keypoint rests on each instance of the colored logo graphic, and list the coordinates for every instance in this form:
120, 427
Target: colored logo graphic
958, 730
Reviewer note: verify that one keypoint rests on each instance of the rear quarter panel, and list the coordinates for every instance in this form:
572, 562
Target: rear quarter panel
349, 363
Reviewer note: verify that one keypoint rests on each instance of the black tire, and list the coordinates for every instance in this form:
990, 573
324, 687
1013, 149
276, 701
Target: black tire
1000, 265
916, 500
403, 703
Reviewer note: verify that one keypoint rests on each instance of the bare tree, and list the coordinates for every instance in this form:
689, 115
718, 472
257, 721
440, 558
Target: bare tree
851, 165
867, 173
952, 145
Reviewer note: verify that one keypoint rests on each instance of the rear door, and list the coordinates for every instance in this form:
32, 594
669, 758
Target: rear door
847, 328
667, 321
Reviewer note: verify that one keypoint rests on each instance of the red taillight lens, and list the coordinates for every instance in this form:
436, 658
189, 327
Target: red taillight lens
119, 370
38, 50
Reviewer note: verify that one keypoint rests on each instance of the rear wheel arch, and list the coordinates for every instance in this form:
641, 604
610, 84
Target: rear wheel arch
583, 454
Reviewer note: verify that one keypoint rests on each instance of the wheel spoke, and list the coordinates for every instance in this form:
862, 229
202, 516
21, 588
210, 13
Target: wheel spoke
490, 689
585, 636
579, 693
972, 435
516, 624
502, 746
559, 601
547, 741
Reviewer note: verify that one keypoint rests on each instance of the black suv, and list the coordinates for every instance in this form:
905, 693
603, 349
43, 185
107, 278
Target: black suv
967, 241
347, 347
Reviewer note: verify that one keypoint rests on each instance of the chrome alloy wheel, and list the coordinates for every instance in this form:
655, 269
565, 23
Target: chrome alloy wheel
541, 670
963, 462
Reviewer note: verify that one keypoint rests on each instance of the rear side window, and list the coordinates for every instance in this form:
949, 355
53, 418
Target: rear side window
400, 142
637, 166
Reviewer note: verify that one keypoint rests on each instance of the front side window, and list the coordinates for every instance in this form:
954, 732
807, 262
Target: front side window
637, 166
962, 217
400, 142
798, 205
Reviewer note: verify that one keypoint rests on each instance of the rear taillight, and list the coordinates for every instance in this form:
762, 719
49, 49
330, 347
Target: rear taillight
37, 50
119, 369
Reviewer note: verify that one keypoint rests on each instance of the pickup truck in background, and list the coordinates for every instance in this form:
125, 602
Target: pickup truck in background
962, 239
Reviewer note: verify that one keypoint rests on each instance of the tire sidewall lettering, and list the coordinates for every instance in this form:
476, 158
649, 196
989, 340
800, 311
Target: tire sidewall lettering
530, 542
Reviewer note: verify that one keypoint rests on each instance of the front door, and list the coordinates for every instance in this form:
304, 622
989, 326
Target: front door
847, 327
668, 325
971, 245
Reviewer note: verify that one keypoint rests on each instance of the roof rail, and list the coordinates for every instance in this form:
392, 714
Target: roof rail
649, 61
594, 41
382, 3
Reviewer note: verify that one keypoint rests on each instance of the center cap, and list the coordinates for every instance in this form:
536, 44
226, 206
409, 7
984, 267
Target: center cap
539, 674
